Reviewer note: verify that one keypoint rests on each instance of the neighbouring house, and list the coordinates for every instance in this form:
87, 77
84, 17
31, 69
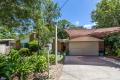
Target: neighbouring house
6, 45
23, 43
86, 41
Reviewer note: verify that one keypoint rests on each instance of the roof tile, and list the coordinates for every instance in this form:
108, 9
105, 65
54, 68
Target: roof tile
101, 32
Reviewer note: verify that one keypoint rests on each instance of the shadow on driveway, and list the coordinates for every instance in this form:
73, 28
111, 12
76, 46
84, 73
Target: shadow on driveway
88, 60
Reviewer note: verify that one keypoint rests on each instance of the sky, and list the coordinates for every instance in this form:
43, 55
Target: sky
78, 11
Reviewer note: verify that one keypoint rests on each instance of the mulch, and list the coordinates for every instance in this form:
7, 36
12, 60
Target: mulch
56, 71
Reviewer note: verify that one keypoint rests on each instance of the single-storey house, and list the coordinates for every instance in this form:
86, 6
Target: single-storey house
87, 41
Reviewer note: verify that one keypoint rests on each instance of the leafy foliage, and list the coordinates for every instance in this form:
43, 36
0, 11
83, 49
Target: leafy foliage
112, 43
41, 64
63, 24
33, 45
6, 33
13, 64
24, 52
52, 58
107, 13
113, 40
44, 36
2, 65
18, 13
118, 52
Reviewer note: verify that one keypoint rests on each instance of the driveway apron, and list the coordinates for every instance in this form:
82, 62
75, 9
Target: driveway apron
89, 68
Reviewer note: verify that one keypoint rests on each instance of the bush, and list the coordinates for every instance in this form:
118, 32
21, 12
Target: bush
51, 56
39, 62
24, 68
15, 65
2, 65
43, 52
33, 46
52, 59
11, 64
24, 52
118, 52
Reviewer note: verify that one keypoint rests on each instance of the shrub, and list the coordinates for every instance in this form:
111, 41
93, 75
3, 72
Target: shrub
118, 52
24, 52
43, 52
2, 65
33, 45
52, 59
40, 63
15, 64
24, 68
11, 66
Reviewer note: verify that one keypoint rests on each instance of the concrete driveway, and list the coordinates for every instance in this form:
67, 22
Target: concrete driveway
89, 68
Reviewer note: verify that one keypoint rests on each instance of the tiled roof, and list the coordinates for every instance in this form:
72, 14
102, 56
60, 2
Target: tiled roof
78, 32
100, 33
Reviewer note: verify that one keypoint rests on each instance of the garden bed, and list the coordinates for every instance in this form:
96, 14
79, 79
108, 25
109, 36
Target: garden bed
56, 71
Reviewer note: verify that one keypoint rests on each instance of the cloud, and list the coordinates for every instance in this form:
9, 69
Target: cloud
89, 26
77, 23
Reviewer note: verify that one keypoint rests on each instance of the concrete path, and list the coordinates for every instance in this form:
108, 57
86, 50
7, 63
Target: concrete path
89, 68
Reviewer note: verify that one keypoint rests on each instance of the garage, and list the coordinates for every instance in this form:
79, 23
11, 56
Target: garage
84, 46
88, 41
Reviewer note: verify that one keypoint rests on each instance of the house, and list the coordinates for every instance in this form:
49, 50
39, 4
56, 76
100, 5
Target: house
23, 43
6, 44
87, 41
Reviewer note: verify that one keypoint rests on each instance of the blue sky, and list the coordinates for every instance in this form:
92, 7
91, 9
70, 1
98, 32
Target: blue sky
78, 11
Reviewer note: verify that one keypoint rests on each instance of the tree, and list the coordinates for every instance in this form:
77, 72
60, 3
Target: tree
63, 24
6, 33
43, 13
107, 13
12, 11
46, 21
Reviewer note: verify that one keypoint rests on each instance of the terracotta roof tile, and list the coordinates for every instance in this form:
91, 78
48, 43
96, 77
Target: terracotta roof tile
78, 32
102, 32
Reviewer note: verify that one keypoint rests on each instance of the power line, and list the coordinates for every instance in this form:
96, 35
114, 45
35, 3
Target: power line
64, 4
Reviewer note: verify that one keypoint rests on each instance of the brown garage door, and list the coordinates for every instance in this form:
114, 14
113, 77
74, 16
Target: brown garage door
83, 48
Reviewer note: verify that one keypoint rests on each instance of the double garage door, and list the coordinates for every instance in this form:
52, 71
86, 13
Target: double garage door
83, 48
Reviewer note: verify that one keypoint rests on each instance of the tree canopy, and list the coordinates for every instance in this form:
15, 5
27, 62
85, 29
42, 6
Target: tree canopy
15, 15
107, 13
64, 24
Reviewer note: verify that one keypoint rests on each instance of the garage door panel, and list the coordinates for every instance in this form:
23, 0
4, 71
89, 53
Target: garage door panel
82, 44
83, 48
83, 52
